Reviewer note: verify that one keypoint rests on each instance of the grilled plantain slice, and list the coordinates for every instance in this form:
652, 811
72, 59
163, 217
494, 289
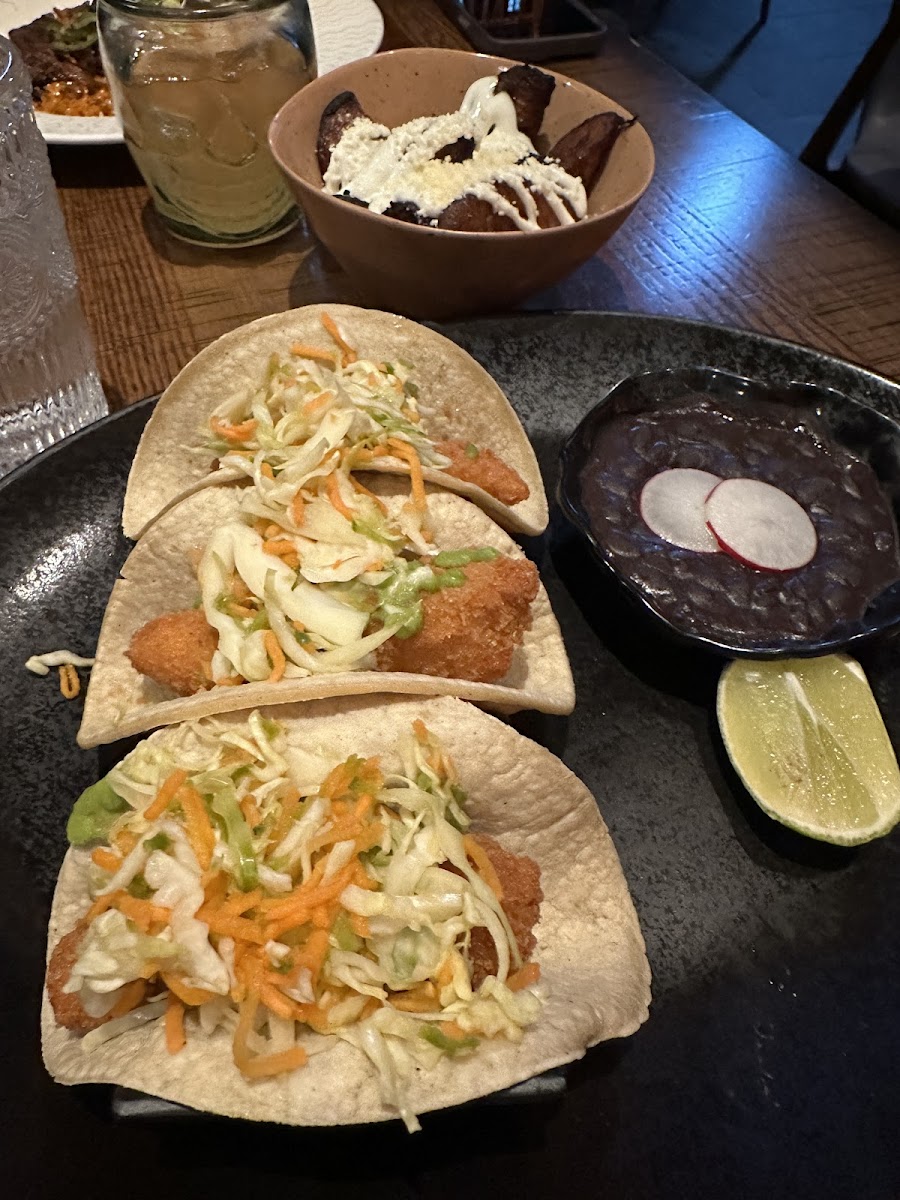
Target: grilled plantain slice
337, 114
530, 91
584, 151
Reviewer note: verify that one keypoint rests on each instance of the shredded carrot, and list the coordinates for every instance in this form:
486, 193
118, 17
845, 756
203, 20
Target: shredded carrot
419, 999
321, 916
524, 977
197, 825
175, 1039
250, 811
326, 356
284, 550
276, 657
360, 925
451, 1029
69, 683
240, 928
298, 507
348, 353
130, 997
124, 841
232, 433
483, 865
420, 731
266, 470
230, 681
408, 453
275, 1000
106, 860
246, 1019
312, 956
239, 903
317, 402
215, 890
364, 491
102, 903
334, 495
143, 912
289, 805
185, 993
275, 1064
239, 610
444, 976
165, 795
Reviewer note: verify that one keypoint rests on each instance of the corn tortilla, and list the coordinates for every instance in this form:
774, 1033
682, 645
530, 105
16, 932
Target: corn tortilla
458, 400
158, 577
594, 971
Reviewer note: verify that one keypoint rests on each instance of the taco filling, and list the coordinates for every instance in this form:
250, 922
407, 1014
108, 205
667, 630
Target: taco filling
317, 575
243, 881
314, 401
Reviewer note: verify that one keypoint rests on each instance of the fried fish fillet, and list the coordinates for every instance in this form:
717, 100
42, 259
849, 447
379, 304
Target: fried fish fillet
469, 632
176, 650
67, 1007
520, 880
474, 464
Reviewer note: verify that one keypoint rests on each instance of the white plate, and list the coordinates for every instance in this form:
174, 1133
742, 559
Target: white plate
345, 30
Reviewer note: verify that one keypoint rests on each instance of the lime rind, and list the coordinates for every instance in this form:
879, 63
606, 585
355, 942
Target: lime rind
808, 742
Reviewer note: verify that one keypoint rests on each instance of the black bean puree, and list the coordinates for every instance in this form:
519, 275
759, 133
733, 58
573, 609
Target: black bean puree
714, 594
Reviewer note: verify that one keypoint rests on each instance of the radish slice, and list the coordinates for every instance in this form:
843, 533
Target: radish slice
673, 505
760, 525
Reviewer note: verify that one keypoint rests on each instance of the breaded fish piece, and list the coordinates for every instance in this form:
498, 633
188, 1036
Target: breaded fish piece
520, 879
176, 650
483, 468
67, 1007
469, 632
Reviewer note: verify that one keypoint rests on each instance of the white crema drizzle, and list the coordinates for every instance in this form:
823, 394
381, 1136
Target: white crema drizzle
381, 166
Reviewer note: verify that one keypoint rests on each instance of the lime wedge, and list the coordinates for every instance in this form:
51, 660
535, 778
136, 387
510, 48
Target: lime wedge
807, 739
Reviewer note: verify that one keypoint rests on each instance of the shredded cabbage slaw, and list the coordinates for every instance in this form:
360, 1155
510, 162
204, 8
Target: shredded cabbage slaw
316, 401
249, 883
314, 573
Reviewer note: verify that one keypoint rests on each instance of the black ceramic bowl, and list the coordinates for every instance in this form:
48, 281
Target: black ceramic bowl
869, 435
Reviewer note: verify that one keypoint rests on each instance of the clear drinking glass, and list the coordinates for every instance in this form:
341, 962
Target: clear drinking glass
196, 84
48, 378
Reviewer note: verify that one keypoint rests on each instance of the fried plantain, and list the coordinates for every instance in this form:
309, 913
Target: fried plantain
337, 115
584, 151
530, 91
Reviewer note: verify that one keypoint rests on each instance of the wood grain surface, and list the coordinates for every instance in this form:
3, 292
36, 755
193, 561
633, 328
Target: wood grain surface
732, 230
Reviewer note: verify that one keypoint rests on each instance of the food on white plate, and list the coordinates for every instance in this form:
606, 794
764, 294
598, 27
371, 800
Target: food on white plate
673, 505
334, 913
761, 525
62, 54
476, 169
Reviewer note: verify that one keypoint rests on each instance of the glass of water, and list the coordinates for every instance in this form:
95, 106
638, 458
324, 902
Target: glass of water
196, 84
48, 378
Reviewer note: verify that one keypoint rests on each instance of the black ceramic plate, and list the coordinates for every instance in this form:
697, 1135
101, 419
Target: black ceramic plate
867, 434
769, 1064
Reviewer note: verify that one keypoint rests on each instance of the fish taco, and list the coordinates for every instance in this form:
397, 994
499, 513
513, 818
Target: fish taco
337, 912
383, 392
244, 596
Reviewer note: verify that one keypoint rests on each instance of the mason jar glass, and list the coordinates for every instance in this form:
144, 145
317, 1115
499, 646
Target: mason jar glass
48, 377
196, 84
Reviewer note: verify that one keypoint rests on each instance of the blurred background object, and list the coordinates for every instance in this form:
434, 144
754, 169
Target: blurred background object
821, 78
195, 86
48, 377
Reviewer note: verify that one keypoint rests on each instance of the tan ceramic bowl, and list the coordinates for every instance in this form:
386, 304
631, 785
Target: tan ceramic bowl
426, 272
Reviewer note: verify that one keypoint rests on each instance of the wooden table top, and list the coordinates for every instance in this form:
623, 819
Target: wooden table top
732, 230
